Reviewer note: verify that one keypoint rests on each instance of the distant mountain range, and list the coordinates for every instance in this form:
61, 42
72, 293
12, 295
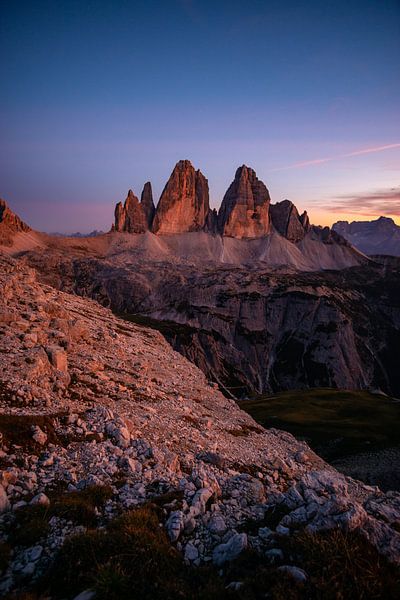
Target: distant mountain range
381, 236
77, 234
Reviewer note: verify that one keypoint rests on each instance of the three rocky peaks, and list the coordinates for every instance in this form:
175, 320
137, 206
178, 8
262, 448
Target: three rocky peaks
246, 210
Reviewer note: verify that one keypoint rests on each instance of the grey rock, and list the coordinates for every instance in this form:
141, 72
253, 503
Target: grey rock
217, 524
40, 499
296, 573
230, 550
174, 525
191, 553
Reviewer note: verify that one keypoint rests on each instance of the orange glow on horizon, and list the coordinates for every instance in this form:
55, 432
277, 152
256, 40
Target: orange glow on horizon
323, 217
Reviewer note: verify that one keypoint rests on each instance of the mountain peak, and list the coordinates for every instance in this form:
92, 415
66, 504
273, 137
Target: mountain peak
146, 200
184, 202
10, 220
287, 221
130, 216
244, 211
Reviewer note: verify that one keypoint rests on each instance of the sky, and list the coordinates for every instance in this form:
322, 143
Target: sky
100, 96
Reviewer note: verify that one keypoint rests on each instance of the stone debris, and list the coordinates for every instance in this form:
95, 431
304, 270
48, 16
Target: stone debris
132, 414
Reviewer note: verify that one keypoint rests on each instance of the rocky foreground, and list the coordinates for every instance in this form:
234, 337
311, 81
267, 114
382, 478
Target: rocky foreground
88, 399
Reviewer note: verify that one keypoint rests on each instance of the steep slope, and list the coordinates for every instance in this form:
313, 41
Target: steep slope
15, 235
381, 236
88, 399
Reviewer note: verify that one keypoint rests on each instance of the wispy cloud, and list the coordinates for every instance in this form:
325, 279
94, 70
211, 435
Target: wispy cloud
374, 203
317, 161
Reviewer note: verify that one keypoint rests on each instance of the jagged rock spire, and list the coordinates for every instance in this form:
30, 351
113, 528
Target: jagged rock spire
287, 221
244, 211
146, 201
184, 202
10, 220
131, 216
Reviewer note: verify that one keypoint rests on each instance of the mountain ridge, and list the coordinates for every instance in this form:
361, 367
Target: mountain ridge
380, 236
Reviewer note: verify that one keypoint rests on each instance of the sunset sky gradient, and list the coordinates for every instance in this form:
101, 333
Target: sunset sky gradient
101, 96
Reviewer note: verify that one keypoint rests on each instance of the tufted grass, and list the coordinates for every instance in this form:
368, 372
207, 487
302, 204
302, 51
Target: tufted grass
32, 522
131, 558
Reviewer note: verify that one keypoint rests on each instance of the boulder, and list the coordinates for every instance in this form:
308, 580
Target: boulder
295, 573
58, 358
174, 525
231, 550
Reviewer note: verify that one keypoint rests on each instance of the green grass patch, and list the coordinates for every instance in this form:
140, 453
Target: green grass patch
335, 423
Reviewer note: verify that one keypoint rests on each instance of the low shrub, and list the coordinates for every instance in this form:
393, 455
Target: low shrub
32, 522
131, 558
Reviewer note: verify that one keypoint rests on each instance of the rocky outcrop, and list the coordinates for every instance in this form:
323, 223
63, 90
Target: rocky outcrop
11, 220
305, 221
10, 225
328, 236
146, 201
132, 216
287, 221
211, 225
184, 202
244, 211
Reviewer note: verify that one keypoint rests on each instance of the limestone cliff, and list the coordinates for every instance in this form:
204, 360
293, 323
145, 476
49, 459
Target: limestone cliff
132, 216
146, 201
184, 202
287, 221
244, 211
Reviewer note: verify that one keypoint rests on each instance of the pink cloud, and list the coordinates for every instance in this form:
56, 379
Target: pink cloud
317, 161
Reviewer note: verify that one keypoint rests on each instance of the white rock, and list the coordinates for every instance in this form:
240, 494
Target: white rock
174, 525
230, 550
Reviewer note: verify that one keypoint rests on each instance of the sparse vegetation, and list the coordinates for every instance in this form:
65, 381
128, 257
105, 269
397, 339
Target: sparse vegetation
132, 558
32, 522
339, 566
